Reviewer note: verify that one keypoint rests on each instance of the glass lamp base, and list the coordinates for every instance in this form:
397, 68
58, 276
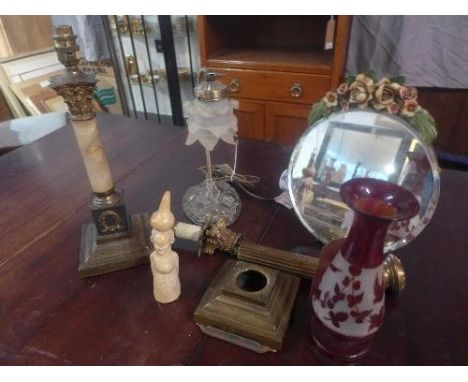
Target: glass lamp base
210, 200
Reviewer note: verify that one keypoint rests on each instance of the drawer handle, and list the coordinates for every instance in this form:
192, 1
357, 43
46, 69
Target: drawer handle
234, 85
296, 90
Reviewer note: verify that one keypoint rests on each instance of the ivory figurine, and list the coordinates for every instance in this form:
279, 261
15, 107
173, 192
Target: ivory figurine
164, 261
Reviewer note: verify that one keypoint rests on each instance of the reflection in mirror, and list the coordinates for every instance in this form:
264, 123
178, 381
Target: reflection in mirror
354, 144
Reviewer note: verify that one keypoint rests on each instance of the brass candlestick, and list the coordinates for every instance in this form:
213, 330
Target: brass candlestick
112, 242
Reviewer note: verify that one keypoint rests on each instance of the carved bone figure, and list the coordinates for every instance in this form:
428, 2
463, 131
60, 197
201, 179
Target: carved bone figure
164, 261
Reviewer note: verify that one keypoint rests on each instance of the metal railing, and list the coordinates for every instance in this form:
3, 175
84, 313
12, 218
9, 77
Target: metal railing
155, 60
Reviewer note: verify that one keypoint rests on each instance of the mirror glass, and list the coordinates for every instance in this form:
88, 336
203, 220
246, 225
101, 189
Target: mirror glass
354, 144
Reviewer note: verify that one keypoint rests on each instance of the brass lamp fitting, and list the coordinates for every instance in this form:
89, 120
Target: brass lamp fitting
217, 237
75, 86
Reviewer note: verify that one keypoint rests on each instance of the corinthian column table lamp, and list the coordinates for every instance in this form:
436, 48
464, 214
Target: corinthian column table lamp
113, 241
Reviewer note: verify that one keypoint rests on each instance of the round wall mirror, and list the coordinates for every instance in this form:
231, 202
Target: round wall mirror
354, 144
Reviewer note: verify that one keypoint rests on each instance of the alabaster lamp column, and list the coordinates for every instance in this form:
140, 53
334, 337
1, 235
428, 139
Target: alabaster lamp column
94, 156
112, 242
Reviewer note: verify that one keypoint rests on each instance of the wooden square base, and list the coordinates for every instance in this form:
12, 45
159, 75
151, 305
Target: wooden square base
99, 256
248, 305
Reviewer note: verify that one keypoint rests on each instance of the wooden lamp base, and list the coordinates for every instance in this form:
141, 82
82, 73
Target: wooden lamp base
248, 305
100, 255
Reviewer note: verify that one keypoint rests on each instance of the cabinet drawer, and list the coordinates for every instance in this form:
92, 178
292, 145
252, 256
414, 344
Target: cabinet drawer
275, 86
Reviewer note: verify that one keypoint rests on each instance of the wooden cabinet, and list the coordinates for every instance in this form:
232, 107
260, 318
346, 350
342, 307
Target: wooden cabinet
275, 66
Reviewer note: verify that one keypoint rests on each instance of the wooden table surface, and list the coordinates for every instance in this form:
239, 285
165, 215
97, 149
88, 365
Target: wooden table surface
49, 316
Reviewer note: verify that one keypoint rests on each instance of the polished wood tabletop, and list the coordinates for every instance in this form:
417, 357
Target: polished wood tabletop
49, 316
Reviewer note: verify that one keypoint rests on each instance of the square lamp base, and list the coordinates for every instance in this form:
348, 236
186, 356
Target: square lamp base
103, 255
248, 305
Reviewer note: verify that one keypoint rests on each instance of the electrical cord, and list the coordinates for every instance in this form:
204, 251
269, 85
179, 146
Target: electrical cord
245, 182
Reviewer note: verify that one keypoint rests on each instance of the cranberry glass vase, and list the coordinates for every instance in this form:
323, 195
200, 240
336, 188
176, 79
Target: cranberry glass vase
348, 292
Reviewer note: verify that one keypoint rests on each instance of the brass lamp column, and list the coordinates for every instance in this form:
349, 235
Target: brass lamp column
112, 242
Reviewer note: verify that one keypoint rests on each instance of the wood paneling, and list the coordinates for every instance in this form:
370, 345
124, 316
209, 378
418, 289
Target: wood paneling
27, 33
285, 123
449, 107
458, 142
5, 48
251, 119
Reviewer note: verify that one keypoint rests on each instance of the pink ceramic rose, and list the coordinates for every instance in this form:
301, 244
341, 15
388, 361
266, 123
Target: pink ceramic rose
331, 99
408, 93
410, 108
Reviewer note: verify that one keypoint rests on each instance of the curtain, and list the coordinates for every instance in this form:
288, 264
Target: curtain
429, 51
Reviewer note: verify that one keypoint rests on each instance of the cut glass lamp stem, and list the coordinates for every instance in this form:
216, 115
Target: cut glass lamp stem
209, 170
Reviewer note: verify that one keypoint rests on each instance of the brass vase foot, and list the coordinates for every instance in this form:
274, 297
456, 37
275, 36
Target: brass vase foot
103, 255
248, 305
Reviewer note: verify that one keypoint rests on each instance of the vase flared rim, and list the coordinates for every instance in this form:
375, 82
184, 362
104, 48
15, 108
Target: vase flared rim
393, 195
